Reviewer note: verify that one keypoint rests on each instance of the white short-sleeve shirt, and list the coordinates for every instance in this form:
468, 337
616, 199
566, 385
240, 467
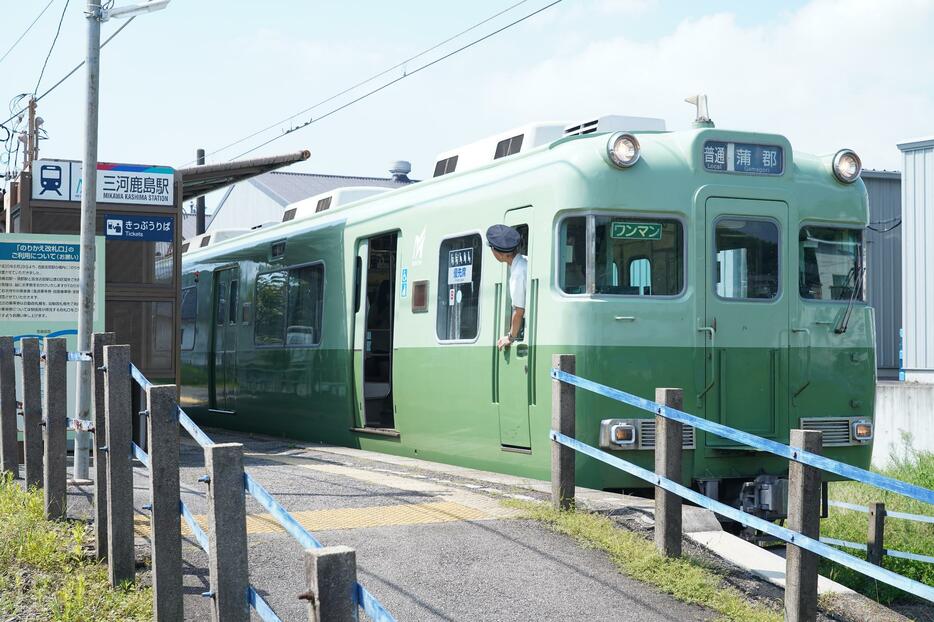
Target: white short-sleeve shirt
518, 273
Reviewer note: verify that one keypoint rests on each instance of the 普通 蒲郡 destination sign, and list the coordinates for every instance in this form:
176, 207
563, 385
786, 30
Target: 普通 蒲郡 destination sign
636, 231
729, 157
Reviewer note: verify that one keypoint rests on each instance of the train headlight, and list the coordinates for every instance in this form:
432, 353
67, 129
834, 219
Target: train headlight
862, 430
847, 166
623, 434
623, 149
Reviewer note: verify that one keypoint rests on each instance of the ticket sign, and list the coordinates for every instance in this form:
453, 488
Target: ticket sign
636, 231
460, 266
61, 180
139, 228
747, 158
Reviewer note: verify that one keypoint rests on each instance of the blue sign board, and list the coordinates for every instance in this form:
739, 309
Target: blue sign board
139, 228
721, 156
404, 287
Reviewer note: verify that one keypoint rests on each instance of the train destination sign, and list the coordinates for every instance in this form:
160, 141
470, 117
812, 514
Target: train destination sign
139, 228
460, 266
728, 157
636, 231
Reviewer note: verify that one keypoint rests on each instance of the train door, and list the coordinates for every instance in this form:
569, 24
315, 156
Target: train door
747, 315
226, 304
513, 372
375, 272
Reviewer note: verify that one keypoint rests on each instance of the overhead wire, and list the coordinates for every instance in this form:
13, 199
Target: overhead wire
399, 79
52, 47
365, 81
26, 32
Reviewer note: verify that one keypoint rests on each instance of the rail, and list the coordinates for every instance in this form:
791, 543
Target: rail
799, 455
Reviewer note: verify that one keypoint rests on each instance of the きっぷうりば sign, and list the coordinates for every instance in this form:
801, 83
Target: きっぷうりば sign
139, 228
61, 180
636, 231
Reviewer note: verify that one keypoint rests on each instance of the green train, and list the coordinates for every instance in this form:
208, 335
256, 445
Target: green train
721, 262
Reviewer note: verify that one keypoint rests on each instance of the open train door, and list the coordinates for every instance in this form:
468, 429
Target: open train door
514, 375
224, 341
747, 316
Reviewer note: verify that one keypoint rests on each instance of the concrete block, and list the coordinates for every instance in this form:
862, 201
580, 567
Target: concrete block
804, 497
32, 412
668, 451
332, 581
54, 406
98, 440
121, 560
227, 533
563, 416
9, 452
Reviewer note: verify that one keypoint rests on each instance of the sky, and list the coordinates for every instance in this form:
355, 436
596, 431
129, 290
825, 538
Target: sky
826, 74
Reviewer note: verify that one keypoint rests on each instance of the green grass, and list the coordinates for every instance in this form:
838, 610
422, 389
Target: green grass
44, 573
688, 579
900, 535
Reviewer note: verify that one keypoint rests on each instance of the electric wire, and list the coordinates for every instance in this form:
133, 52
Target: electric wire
886, 229
365, 81
26, 32
52, 47
72, 72
399, 79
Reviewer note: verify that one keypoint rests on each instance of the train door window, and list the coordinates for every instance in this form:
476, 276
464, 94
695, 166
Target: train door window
189, 316
747, 259
221, 311
233, 302
269, 305
306, 304
830, 263
458, 302
572, 254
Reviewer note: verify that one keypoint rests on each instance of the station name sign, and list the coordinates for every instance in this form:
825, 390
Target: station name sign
749, 158
61, 180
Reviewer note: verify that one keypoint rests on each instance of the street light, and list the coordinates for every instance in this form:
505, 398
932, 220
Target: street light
95, 15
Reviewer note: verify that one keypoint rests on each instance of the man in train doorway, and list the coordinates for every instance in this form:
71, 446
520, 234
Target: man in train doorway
504, 242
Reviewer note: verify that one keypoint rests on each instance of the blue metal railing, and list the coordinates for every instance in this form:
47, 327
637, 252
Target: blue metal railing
792, 453
369, 603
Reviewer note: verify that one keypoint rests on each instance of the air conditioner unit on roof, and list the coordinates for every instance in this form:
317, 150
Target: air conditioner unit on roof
615, 123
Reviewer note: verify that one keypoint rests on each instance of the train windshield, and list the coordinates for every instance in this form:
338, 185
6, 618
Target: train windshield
830, 262
631, 256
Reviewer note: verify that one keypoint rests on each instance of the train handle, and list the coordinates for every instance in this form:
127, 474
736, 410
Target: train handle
713, 357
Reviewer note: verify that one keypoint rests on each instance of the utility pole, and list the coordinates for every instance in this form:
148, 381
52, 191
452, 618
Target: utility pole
199, 217
95, 15
88, 229
32, 136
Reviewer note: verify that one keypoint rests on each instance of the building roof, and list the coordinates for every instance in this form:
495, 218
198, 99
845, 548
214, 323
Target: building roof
285, 188
916, 143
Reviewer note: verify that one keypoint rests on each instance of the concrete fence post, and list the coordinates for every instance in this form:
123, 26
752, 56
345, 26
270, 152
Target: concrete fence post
332, 584
121, 555
98, 440
54, 405
563, 415
804, 498
668, 452
875, 543
227, 543
32, 412
165, 526
9, 449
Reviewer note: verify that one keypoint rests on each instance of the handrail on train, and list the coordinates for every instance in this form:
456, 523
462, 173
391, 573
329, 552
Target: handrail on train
369, 603
792, 453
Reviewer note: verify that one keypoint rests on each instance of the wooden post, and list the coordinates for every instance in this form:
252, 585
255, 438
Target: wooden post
9, 450
668, 452
562, 420
32, 412
227, 543
98, 440
804, 517
121, 555
165, 526
54, 405
332, 584
875, 543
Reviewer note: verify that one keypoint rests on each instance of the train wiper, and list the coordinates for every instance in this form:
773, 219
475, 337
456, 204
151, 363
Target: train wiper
857, 288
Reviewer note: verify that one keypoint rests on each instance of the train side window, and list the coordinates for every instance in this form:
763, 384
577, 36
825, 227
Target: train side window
572, 251
269, 306
189, 316
746, 259
458, 299
830, 262
306, 305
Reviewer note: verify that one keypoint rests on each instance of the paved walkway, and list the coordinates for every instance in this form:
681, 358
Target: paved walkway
431, 544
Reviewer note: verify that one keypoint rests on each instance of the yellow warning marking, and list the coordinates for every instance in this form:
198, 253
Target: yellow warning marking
348, 518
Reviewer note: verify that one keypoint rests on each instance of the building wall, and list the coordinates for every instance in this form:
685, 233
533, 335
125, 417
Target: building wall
246, 207
904, 420
918, 260
884, 265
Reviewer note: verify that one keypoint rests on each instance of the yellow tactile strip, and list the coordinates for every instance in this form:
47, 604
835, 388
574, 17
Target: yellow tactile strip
349, 518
